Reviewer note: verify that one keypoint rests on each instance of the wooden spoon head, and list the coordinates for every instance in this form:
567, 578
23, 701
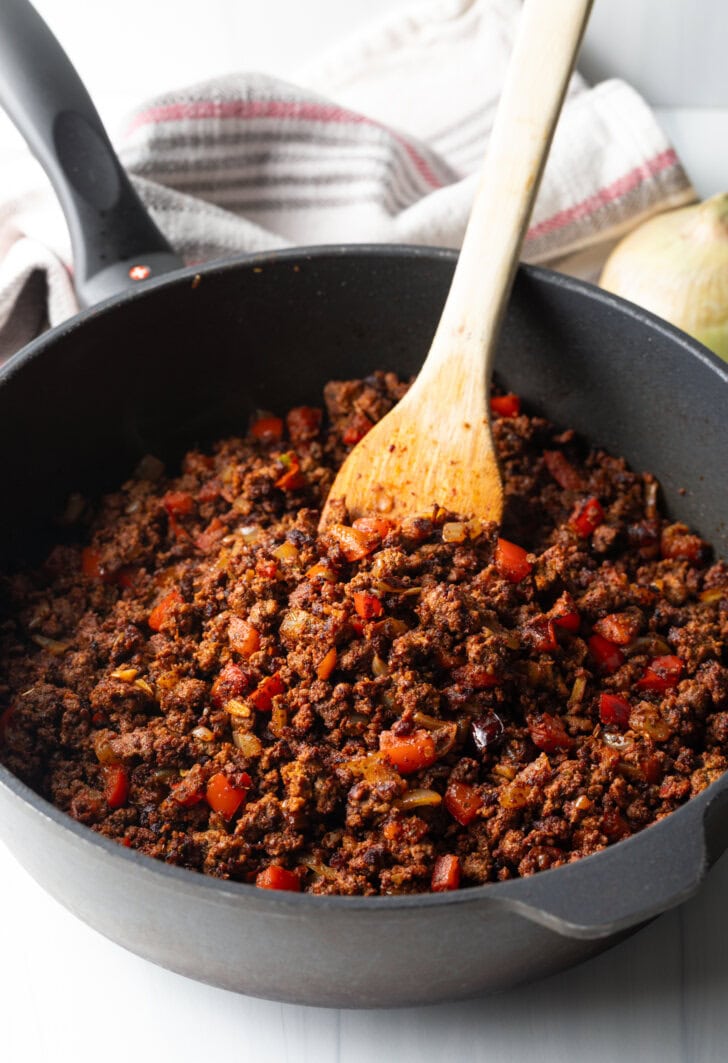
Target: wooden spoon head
423, 454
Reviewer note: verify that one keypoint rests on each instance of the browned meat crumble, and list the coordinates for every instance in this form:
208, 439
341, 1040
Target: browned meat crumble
381, 709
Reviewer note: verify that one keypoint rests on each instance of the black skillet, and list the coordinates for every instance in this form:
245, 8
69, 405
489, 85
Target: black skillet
165, 362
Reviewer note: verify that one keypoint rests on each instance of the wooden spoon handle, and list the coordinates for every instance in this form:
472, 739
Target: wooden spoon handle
548, 39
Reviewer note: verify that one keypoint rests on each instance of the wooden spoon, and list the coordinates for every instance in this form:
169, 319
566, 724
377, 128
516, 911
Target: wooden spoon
435, 447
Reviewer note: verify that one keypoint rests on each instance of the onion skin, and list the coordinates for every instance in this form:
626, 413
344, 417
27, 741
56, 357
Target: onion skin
676, 266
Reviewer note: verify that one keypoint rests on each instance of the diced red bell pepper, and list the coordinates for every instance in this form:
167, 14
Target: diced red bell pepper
562, 470
505, 405
116, 785
162, 611
327, 664
380, 526
540, 633
356, 428
211, 536
353, 542
614, 825
267, 689
587, 517
368, 606
243, 637
210, 490
463, 802
651, 768
91, 563
408, 753
662, 673
303, 423
564, 614
511, 561
614, 711
126, 576
230, 683
278, 878
93, 568
446, 874
225, 798
608, 657
292, 479
187, 792
267, 429
620, 628
548, 733
178, 503
678, 543
266, 567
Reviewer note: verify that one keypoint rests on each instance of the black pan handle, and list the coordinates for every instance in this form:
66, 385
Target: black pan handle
116, 245
633, 881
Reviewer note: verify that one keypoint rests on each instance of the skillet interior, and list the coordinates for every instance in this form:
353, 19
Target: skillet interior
186, 362
183, 362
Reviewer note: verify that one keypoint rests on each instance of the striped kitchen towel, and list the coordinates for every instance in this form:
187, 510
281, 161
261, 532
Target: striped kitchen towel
379, 141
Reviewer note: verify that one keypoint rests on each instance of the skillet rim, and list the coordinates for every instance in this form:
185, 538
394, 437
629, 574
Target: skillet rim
225, 889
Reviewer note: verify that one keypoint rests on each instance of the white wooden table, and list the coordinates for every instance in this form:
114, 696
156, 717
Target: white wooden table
66, 994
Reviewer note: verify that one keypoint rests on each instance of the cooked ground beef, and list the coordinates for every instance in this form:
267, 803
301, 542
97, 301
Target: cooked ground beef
384, 708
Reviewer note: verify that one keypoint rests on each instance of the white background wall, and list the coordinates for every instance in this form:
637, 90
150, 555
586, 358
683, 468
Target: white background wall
674, 51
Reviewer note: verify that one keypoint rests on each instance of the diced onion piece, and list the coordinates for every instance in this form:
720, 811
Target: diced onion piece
248, 743
143, 685
249, 533
278, 721
577, 691
53, 646
419, 798
505, 771
714, 594
294, 624
514, 796
126, 675
204, 734
234, 707
287, 552
379, 666
102, 748
646, 720
373, 767
454, 532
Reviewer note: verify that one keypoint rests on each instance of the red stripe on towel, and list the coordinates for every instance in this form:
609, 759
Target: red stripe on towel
304, 111
603, 196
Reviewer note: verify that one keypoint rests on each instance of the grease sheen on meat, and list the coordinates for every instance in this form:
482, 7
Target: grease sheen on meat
197, 674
